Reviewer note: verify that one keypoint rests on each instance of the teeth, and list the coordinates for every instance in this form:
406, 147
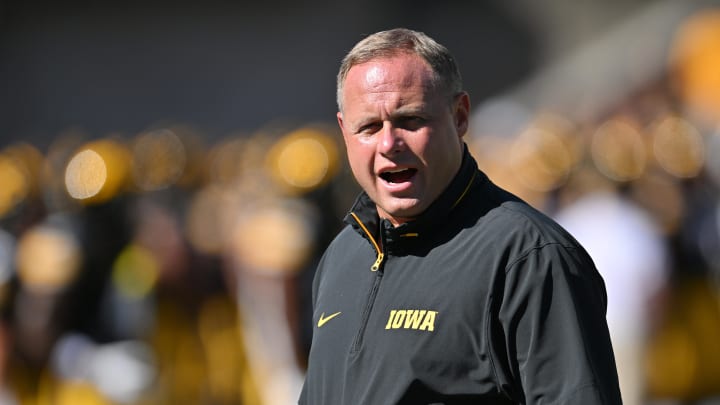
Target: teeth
395, 171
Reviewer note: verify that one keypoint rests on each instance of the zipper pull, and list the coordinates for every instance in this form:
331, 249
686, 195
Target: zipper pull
378, 262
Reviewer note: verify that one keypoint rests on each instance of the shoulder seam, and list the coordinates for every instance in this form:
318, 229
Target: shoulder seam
527, 252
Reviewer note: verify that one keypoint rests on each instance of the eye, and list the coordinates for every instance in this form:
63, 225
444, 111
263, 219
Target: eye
370, 128
411, 123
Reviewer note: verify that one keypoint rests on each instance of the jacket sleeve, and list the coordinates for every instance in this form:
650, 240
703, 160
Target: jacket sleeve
317, 280
550, 336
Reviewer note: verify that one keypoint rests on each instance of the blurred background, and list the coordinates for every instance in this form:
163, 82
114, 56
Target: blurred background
170, 173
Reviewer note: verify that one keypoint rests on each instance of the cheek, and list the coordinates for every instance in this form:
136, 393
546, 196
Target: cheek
442, 143
361, 164
360, 152
422, 145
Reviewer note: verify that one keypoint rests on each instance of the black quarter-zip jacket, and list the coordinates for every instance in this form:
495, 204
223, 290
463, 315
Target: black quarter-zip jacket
480, 300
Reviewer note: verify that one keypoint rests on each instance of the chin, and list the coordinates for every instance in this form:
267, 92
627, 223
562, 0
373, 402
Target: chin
403, 210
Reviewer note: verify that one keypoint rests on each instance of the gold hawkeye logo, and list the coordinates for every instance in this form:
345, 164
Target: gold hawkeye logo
323, 320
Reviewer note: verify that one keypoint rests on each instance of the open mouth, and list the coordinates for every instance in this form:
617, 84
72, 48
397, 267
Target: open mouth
398, 176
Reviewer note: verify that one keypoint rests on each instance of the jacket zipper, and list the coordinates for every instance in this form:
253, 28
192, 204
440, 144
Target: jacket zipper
380, 254
357, 343
377, 265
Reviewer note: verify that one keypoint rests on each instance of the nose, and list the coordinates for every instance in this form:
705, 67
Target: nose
390, 141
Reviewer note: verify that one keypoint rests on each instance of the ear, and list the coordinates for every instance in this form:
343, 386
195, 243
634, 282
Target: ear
461, 113
341, 124
340, 121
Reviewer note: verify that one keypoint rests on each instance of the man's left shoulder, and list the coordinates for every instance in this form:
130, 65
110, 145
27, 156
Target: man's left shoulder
521, 217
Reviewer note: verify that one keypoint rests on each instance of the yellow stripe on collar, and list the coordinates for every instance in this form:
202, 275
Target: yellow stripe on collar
467, 188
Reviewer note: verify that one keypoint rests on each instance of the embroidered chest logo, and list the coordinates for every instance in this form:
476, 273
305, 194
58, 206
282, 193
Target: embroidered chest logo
417, 319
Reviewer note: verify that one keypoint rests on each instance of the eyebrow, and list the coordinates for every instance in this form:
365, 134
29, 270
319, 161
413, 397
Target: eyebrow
409, 110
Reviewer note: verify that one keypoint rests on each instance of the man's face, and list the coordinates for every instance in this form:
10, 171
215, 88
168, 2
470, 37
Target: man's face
403, 136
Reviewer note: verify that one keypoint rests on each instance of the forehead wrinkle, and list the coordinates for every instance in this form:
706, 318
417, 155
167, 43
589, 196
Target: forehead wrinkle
393, 106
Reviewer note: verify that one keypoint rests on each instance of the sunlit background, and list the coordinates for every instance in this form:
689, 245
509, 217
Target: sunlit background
170, 173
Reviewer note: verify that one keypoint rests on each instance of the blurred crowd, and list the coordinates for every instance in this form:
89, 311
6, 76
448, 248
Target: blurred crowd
156, 269
160, 268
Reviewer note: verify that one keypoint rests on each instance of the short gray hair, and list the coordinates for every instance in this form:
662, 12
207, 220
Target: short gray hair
390, 43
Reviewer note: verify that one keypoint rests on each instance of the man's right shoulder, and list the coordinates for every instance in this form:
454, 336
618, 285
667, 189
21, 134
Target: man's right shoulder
346, 239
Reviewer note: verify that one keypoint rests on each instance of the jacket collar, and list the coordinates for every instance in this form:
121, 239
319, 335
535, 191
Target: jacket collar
365, 211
